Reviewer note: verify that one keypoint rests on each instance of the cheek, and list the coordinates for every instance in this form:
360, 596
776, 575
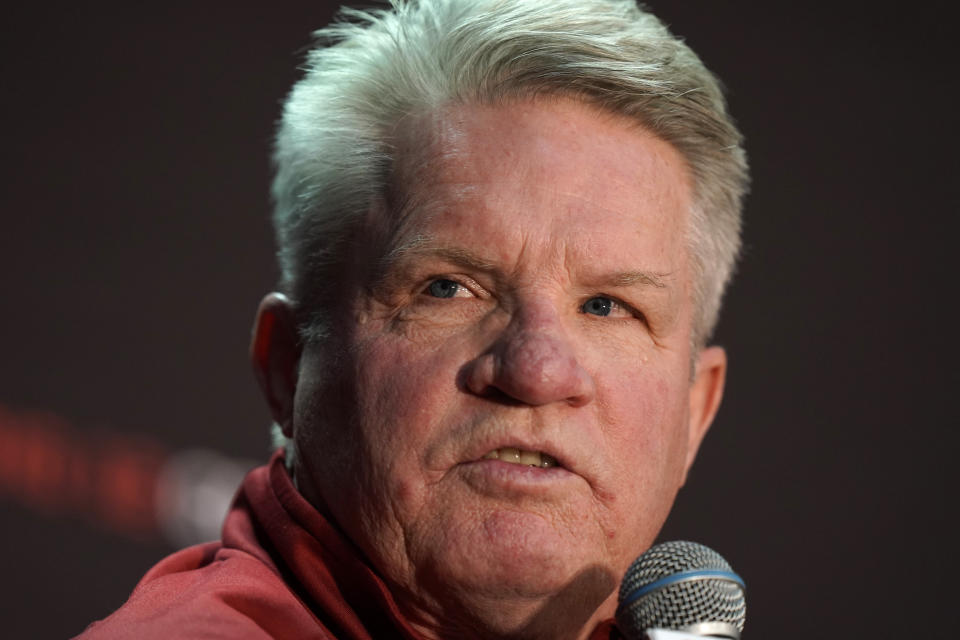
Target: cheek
403, 394
363, 432
646, 408
394, 382
404, 391
646, 441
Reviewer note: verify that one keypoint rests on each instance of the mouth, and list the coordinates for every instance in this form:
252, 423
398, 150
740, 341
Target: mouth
512, 471
514, 455
517, 473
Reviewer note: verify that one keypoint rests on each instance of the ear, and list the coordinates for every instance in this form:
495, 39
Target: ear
275, 355
706, 391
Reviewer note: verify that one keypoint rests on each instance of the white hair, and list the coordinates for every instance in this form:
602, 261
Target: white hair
373, 68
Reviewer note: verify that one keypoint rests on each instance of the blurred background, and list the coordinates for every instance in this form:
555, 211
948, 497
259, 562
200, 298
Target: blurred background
135, 246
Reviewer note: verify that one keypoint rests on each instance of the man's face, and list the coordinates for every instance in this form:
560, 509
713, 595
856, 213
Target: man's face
533, 303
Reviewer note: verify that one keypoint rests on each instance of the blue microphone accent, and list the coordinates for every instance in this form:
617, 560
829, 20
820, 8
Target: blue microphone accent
683, 576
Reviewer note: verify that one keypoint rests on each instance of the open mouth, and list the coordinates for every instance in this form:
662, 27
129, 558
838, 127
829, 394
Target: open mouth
522, 456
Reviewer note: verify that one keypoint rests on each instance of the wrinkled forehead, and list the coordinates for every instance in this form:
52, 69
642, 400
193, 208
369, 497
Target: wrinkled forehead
591, 154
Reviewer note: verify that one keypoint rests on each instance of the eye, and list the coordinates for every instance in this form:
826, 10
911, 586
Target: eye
599, 306
443, 288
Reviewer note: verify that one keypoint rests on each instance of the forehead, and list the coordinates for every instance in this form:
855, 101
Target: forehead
541, 172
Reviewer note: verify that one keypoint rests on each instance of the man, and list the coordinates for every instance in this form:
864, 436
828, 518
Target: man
504, 228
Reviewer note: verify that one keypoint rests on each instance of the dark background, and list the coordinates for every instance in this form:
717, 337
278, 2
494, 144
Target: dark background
135, 247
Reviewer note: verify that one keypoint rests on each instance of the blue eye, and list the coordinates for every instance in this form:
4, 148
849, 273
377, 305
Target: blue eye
443, 288
598, 306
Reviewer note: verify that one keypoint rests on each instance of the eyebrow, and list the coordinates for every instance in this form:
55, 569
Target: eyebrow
456, 255
631, 278
421, 246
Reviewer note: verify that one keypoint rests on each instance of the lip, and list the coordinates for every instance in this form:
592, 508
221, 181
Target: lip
498, 478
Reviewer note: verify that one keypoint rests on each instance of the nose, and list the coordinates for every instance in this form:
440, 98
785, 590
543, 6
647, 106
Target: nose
532, 362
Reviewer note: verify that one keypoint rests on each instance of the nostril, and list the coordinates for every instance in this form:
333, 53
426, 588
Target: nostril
582, 390
477, 376
496, 395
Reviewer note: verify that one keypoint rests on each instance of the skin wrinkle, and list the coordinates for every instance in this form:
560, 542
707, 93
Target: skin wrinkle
442, 128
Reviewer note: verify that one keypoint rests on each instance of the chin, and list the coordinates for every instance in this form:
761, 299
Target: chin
552, 599
511, 554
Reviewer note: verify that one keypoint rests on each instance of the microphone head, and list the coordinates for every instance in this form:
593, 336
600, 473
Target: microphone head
681, 586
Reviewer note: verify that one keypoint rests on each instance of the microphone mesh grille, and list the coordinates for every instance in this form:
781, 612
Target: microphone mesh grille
682, 604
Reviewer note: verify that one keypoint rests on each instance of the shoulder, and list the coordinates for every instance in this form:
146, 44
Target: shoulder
208, 591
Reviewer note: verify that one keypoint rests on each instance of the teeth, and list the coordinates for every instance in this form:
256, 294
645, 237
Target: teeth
508, 454
531, 458
522, 456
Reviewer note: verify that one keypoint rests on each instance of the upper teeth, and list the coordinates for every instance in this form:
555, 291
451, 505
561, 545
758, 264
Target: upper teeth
522, 456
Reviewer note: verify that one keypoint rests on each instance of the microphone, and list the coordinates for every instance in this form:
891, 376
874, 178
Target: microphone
680, 590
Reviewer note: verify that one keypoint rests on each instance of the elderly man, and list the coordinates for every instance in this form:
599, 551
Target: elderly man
504, 228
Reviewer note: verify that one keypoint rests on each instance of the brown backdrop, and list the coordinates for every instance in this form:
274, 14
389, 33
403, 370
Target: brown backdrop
135, 247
